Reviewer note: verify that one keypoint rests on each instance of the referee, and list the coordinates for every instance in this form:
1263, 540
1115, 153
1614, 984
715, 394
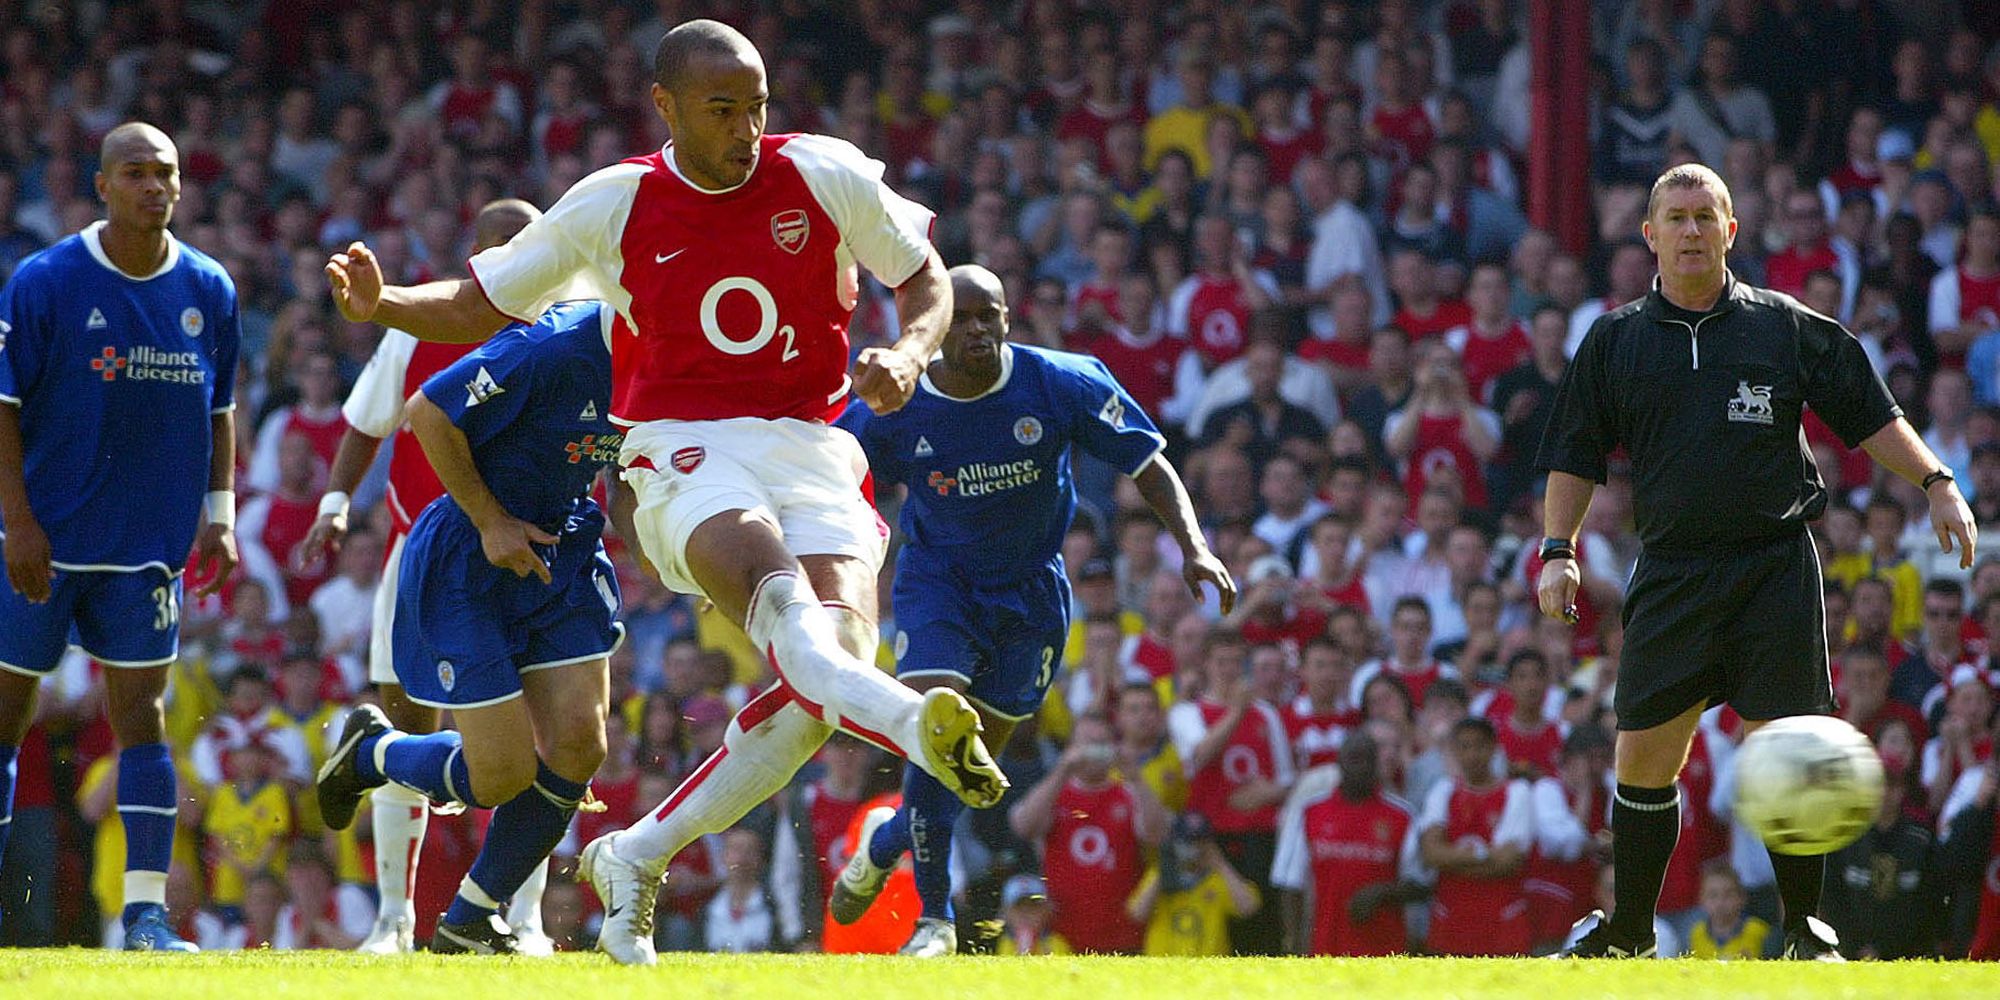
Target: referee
1702, 382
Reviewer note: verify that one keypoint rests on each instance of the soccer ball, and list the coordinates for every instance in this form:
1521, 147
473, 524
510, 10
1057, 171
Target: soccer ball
1810, 784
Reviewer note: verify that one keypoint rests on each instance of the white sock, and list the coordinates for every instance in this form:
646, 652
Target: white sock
401, 816
524, 912
145, 887
752, 766
787, 619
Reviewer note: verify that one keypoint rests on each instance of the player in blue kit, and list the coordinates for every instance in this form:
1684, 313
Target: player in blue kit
506, 612
981, 599
118, 370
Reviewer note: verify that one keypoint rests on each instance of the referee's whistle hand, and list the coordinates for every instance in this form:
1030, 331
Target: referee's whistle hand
1952, 520
1556, 590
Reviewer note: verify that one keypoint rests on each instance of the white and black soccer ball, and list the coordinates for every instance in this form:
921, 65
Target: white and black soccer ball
1809, 784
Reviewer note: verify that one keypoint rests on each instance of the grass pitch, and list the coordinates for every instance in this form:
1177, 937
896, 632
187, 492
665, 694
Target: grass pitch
75, 974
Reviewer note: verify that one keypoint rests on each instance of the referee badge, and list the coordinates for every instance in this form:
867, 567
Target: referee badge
1752, 404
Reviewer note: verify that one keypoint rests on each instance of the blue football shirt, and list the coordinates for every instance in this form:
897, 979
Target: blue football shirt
117, 379
989, 477
534, 403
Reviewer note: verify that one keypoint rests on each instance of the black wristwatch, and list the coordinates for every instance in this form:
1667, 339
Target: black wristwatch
1941, 475
1558, 548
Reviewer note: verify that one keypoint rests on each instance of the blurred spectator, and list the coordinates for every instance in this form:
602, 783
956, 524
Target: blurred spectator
1725, 931
740, 917
1476, 831
1347, 850
1881, 890
1192, 898
1025, 914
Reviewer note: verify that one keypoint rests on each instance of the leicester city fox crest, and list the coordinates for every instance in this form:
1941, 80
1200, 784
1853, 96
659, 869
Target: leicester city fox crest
447, 675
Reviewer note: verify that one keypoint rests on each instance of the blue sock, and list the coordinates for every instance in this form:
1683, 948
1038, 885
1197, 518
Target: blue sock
433, 765
7, 754
525, 829
892, 838
932, 811
146, 805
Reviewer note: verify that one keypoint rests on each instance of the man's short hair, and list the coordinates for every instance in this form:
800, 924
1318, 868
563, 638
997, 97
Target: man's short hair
1688, 176
701, 36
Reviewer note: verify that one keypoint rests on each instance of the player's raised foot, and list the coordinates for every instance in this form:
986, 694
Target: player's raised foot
148, 930
1811, 940
1602, 942
933, 938
629, 893
951, 750
391, 936
340, 786
860, 879
489, 935
534, 943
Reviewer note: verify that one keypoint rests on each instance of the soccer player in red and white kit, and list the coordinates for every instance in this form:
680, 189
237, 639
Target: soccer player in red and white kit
1095, 833
373, 412
1344, 854
1476, 831
729, 256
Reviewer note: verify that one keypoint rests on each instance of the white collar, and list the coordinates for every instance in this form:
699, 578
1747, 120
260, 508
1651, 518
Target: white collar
93, 240
667, 155
1006, 372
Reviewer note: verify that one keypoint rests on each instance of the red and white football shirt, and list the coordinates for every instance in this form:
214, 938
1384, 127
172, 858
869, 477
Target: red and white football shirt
731, 303
1094, 861
1480, 916
1334, 846
400, 367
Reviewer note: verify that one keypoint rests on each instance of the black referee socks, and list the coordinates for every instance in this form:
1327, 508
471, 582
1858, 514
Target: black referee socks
1800, 878
1645, 826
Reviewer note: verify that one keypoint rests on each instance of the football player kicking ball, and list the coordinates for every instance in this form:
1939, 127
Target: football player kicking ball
506, 611
982, 602
374, 410
729, 257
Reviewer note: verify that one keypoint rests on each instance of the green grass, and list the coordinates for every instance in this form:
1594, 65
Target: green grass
75, 974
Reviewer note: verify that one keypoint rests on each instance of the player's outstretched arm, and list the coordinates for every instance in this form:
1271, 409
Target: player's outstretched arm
508, 541
447, 312
1902, 452
886, 377
215, 547
27, 547
1168, 496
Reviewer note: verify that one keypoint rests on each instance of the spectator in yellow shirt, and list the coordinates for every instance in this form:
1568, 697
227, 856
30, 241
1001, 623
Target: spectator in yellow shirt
1188, 899
1725, 932
1185, 125
248, 823
1024, 917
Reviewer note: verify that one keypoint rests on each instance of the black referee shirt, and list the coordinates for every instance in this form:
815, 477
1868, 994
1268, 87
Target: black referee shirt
1707, 405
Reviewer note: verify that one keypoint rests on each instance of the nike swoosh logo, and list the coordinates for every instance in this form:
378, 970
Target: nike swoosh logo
615, 911
663, 258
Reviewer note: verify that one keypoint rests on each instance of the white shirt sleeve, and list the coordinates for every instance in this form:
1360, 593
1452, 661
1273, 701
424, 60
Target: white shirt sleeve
1180, 304
1285, 770
1437, 807
1963, 791
1309, 387
1186, 727
1190, 382
1291, 861
262, 473
1557, 832
375, 407
1227, 385
1455, 339
353, 910
1944, 300
1367, 673
572, 252
887, 233
1517, 818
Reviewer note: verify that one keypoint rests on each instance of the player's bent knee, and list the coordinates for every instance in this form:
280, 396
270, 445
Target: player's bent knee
578, 749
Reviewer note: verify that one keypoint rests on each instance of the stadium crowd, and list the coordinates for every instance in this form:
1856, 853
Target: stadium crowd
1295, 230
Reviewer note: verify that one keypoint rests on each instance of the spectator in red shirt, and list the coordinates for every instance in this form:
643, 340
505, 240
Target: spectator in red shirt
1443, 435
1338, 578
1420, 311
1864, 696
1346, 849
1806, 248
1343, 349
1319, 720
1492, 341
1529, 741
1270, 612
1476, 830
1093, 832
1104, 104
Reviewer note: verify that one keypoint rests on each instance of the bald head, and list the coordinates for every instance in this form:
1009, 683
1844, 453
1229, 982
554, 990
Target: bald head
971, 281
694, 40
134, 142
498, 221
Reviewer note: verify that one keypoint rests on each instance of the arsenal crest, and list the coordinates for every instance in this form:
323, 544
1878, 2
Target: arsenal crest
790, 228
688, 459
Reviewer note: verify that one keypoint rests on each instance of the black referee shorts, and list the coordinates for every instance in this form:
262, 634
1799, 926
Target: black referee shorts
1744, 626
